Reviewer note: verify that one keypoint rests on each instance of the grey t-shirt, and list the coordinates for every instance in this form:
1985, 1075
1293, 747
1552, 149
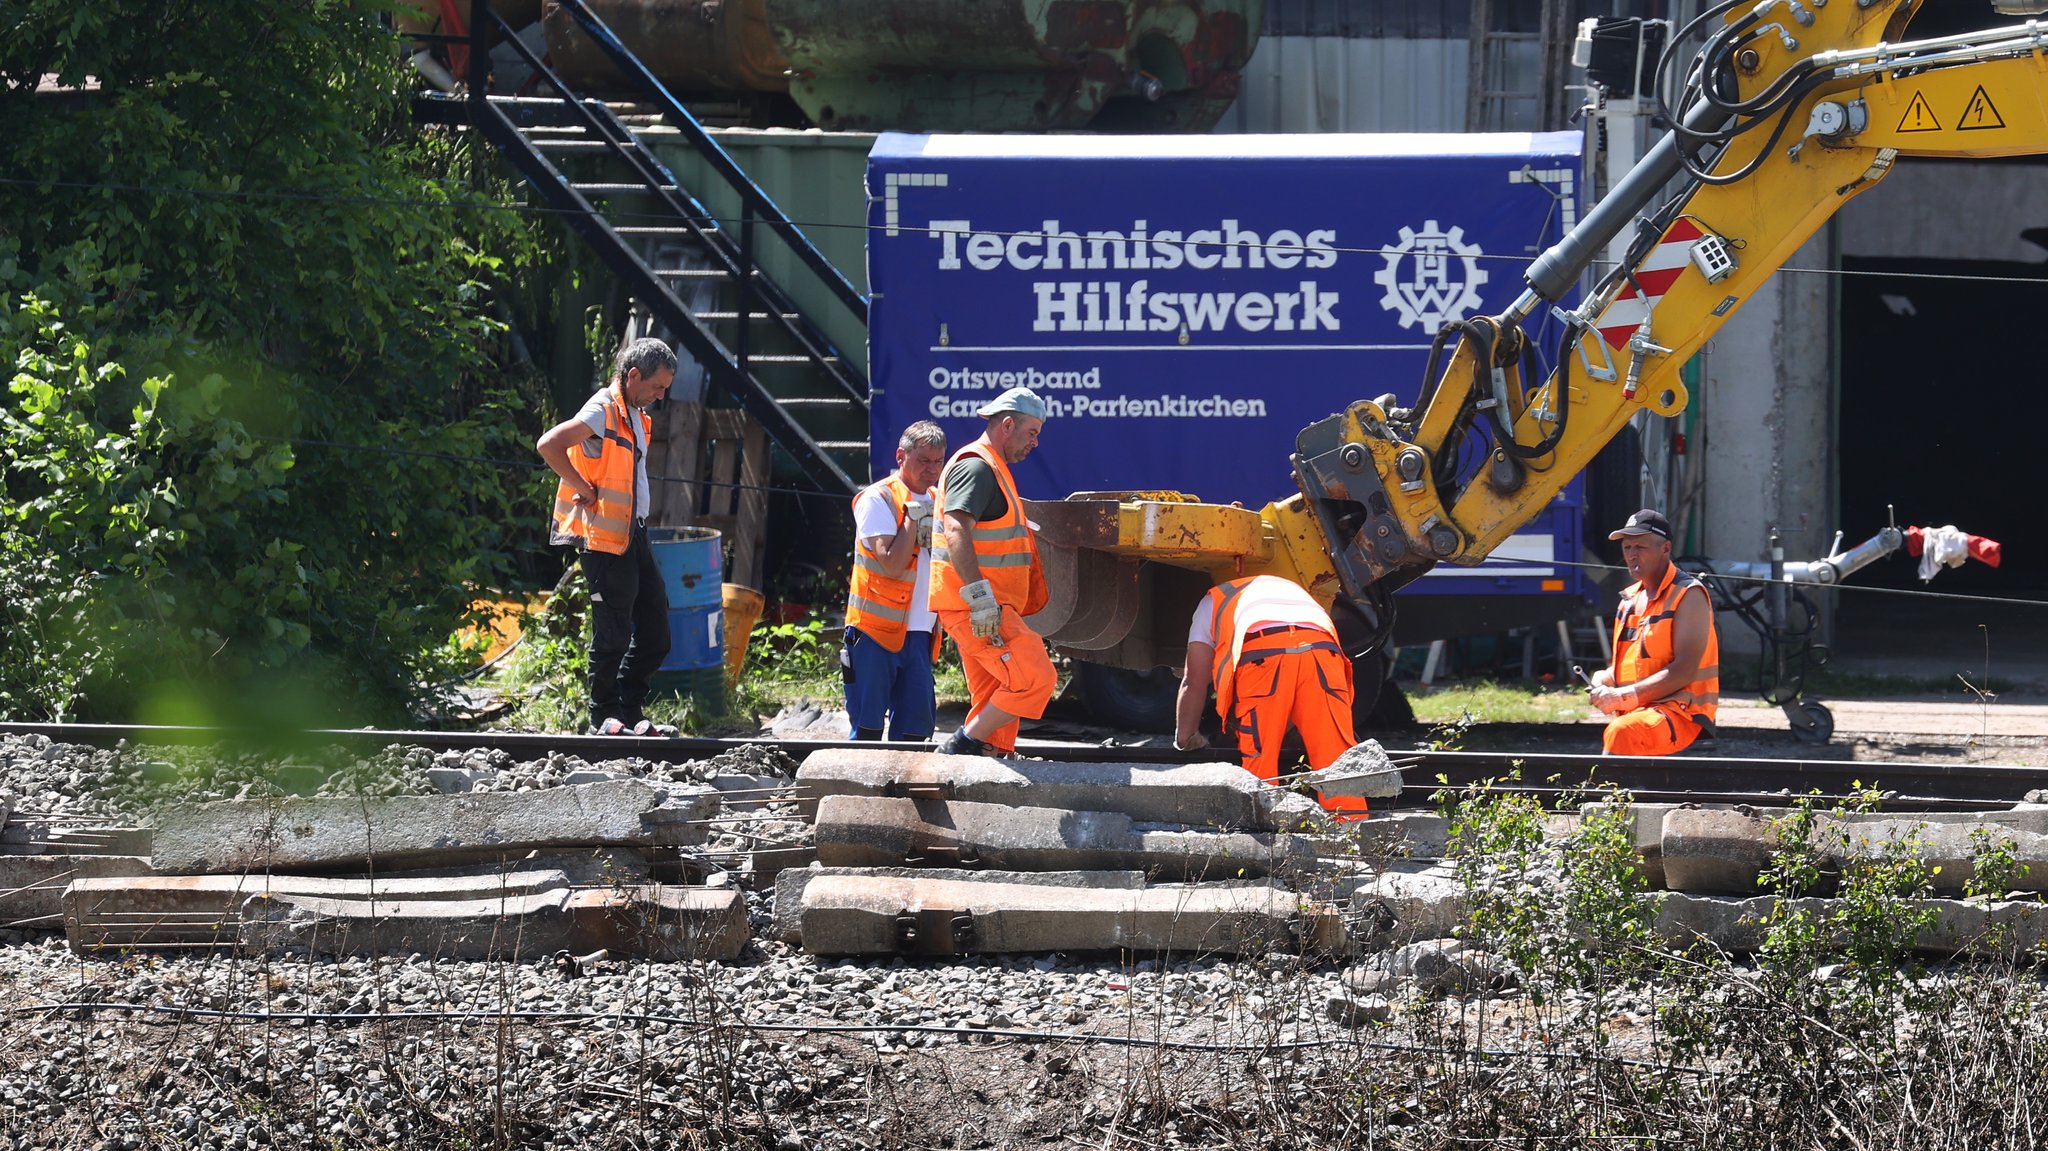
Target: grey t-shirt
592, 416
972, 487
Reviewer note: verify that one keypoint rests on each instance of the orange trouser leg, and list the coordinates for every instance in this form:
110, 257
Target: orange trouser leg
1015, 676
1322, 714
1312, 691
1649, 731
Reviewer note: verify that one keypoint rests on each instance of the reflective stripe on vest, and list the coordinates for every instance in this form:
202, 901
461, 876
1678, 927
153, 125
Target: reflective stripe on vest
606, 526
879, 603
1004, 549
1227, 603
1645, 642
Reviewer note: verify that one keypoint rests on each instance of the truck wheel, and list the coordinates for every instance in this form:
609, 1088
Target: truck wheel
1377, 702
1131, 700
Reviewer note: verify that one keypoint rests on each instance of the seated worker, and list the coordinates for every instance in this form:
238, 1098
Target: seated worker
1271, 652
1665, 682
891, 632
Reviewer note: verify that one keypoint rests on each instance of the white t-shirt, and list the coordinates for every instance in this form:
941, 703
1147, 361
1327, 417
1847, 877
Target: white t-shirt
873, 517
592, 416
1203, 630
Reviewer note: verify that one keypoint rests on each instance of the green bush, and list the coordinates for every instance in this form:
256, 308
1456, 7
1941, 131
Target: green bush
251, 328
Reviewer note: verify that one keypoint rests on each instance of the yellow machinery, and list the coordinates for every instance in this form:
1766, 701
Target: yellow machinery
1790, 108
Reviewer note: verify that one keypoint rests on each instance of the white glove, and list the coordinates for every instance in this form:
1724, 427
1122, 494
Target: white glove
982, 608
918, 514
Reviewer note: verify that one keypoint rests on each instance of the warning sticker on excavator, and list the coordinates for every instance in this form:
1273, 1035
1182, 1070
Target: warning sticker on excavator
1980, 113
1919, 117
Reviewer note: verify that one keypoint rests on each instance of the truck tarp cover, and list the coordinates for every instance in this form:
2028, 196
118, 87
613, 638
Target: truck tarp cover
1187, 304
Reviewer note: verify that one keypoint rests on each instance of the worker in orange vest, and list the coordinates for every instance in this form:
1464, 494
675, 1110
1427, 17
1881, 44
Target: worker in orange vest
601, 505
986, 578
891, 633
1271, 653
1664, 685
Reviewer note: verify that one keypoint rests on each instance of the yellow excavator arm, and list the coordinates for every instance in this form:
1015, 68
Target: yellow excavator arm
1791, 107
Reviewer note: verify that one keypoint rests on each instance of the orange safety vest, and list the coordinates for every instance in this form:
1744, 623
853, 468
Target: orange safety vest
607, 461
1644, 642
1244, 599
1003, 547
879, 604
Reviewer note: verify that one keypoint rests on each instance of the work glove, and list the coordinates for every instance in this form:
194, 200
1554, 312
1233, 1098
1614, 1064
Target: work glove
983, 610
918, 514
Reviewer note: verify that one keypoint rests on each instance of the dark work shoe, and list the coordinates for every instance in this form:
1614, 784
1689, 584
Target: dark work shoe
611, 725
960, 743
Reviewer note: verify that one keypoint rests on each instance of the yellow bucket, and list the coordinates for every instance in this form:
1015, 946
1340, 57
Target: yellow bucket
742, 606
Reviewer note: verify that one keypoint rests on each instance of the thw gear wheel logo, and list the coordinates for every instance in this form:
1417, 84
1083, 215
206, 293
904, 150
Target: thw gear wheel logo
1442, 277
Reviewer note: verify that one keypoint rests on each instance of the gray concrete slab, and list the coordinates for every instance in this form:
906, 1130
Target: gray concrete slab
662, 922
861, 915
1196, 795
32, 886
297, 833
790, 885
871, 831
1724, 851
163, 911
1961, 927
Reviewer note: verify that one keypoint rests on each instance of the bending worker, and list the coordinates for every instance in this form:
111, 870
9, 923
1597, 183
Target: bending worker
986, 579
601, 505
891, 634
1665, 682
1271, 652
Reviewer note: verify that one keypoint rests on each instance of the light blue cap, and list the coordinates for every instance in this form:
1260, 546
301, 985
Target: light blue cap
1022, 401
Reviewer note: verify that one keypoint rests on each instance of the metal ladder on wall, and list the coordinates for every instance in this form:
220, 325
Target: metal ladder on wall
755, 343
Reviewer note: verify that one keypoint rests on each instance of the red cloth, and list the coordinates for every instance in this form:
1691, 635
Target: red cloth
1982, 550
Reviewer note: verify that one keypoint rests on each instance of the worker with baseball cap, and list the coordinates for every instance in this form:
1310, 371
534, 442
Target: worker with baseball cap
1665, 682
986, 578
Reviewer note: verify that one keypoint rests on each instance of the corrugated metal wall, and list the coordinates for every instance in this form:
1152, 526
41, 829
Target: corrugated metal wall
1394, 65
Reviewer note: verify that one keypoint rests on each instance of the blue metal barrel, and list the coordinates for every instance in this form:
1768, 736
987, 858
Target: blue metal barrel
692, 563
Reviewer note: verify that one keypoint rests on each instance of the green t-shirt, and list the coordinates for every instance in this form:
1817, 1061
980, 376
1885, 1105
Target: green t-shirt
971, 486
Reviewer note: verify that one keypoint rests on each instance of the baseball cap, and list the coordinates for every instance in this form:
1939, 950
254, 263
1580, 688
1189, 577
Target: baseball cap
1022, 401
1648, 522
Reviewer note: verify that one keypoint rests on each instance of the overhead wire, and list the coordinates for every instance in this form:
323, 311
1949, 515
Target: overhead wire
630, 216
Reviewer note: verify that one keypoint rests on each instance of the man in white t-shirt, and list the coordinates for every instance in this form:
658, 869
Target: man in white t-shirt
890, 629
1272, 655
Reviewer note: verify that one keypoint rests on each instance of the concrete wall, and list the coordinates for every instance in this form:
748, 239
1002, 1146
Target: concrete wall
1766, 424
1950, 210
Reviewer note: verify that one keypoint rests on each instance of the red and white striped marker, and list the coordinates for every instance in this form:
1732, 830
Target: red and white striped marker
1656, 274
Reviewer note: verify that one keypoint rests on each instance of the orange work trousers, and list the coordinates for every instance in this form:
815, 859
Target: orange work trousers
1016, 675
1660, 729
1309, 690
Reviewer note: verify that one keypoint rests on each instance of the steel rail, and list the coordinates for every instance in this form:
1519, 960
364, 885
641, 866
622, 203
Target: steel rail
1700, 779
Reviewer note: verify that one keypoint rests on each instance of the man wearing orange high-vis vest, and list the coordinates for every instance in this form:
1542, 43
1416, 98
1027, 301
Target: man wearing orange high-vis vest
986, 579
1665, 683
891, 634
1271, 652
601, 509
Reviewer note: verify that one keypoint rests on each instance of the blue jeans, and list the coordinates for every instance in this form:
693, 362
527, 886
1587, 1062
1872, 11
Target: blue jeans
892, 685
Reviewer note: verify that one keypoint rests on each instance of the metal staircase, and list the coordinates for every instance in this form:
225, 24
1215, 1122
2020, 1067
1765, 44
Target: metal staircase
591, 162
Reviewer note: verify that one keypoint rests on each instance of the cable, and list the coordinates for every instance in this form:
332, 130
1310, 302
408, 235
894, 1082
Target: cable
541, 210
1769, 582
268, 1017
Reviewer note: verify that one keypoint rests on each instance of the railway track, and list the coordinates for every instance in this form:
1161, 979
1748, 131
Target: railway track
1699, 779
